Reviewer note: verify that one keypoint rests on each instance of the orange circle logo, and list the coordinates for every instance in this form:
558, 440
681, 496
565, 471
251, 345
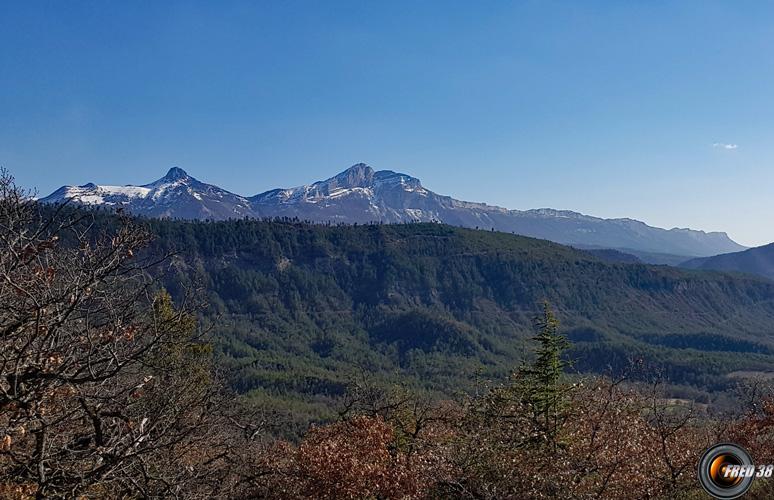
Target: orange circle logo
726, 471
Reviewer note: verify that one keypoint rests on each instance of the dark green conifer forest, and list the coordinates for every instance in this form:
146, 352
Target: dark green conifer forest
299, 310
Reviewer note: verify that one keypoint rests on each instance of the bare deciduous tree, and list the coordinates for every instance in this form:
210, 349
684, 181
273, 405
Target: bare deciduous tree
105, 388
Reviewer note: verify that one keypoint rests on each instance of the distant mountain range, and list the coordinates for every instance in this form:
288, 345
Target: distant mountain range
759, 260
362, 195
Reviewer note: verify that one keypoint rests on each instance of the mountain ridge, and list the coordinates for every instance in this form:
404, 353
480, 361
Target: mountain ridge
361, 194
758, 261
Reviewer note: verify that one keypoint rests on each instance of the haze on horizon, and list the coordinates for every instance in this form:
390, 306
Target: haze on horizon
614, 109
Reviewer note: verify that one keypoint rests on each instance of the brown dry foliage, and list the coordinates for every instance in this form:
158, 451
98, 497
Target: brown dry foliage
105, 387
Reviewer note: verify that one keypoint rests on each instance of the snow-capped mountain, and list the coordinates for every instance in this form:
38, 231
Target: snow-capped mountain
360, 194
175, 195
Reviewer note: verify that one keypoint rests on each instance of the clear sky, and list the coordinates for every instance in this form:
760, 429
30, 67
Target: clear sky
659, 111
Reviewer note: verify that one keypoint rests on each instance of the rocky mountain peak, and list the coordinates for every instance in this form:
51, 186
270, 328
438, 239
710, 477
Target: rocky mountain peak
175, 174
359, 175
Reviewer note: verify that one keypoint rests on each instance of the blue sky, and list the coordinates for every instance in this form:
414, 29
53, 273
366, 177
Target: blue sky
615, 109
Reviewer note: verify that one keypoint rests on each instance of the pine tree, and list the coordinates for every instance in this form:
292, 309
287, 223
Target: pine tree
541, 383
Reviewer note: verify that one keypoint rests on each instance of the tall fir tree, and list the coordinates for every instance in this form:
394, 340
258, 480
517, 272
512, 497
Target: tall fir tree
542, 383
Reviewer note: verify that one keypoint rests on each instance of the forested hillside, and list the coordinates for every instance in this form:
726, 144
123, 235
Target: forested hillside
759, 261
302, 309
